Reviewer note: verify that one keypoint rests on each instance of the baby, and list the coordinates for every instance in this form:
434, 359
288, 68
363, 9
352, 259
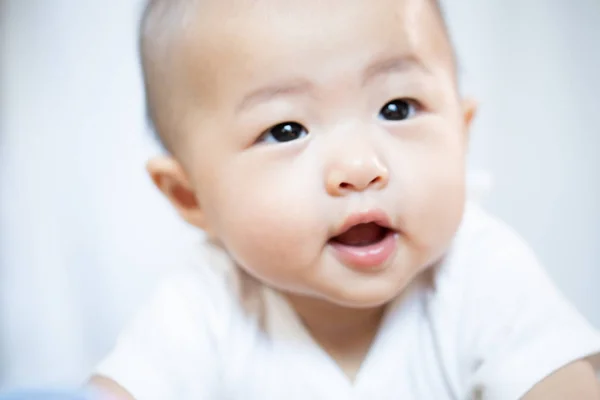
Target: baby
321, 146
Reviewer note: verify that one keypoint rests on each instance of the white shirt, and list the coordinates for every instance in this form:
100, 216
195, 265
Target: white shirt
488, 325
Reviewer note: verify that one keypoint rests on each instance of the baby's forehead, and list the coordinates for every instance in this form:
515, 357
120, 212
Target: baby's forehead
165, 22
217, 38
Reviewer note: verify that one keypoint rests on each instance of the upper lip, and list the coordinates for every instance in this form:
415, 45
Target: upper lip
378, 217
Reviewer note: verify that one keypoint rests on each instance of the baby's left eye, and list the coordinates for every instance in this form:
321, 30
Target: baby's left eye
398, 110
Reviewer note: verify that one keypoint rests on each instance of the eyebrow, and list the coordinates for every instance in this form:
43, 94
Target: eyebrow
396, 64
266, 93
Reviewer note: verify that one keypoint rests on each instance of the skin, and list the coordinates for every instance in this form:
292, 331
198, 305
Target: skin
243, 67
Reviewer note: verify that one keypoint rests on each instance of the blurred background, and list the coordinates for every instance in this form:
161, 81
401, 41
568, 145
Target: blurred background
84, 237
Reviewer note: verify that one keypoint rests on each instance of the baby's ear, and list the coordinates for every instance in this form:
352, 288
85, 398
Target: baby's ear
170, 178
469, 111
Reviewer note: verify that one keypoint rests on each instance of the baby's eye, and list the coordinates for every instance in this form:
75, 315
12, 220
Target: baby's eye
398, 110
284, 132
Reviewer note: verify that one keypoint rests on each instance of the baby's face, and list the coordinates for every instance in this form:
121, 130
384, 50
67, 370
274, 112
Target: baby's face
324, 141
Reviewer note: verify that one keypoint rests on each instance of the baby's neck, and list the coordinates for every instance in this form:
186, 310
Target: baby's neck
345, 334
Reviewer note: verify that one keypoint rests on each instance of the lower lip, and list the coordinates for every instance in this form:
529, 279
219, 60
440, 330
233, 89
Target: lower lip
367, 257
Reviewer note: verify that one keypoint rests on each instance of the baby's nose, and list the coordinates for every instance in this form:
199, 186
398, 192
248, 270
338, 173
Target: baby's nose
357, 174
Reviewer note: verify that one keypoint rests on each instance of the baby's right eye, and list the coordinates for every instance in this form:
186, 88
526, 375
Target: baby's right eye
284, 132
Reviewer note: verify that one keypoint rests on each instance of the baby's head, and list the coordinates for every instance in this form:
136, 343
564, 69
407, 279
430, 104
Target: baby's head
321, 143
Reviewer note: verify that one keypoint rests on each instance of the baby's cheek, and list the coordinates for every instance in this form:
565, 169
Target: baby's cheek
440, 215
272, 234
433, 202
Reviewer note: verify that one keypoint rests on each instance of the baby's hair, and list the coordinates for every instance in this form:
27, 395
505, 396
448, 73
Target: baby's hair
162, 21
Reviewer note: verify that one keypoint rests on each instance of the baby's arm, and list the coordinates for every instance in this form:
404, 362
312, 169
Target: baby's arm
575, 381
108, 388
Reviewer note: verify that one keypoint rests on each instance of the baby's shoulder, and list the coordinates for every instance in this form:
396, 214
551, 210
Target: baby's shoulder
488, 268
209, 284
486, 244
497, 313
192, 325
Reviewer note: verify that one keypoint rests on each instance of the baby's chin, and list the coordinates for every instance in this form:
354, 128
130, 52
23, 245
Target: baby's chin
381, 292
366, 299
358, 296
364, 302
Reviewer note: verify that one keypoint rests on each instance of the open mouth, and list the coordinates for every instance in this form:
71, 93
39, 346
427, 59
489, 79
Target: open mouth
365, 242
362, 235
